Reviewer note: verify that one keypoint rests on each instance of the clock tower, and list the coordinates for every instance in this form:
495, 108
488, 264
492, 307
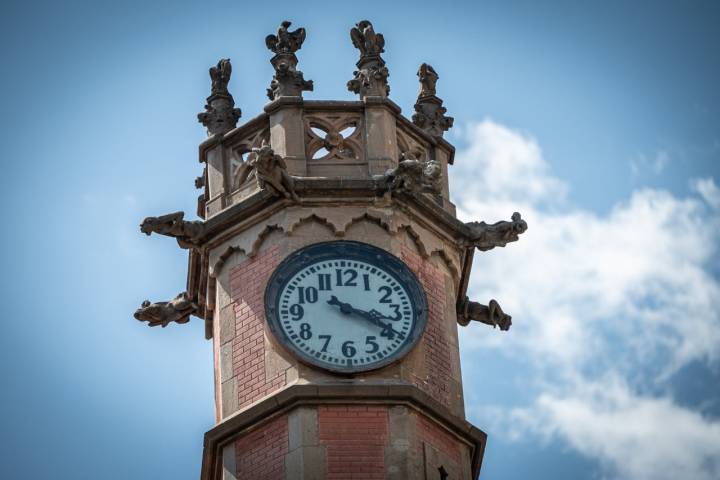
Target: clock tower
331, 273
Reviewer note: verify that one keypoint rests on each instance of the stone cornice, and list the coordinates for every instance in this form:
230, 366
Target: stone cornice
349, 392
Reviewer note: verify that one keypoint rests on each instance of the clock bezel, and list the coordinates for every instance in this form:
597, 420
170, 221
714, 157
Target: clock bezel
345, 250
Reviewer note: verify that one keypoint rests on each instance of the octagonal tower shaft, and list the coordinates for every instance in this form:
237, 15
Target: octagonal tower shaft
310, 189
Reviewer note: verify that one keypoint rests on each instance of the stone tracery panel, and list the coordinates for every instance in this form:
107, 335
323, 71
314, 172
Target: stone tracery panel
410, 146
334, 144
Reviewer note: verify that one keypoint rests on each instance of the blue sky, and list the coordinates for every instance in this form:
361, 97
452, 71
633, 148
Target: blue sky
599, 121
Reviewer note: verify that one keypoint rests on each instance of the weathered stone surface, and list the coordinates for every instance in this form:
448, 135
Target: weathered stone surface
285, 41
187, 233
490, 314
220, 114
270, 172
177, 310
488, 236
413, 176
288, 81
429, 111
372, 74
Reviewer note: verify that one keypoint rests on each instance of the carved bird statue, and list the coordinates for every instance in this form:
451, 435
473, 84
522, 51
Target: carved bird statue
366, 40
285, 41
220, 76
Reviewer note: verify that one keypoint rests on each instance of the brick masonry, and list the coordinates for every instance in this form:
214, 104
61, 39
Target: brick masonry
260, 454
247, 287
355, 438
436, 351
428, 432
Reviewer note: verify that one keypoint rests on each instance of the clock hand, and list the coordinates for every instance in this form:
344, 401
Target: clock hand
373, 316
397, 317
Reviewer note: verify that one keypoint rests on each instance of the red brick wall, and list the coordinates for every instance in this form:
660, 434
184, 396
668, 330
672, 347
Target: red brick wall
247, 287
355, 438
260, 454
429, 432
436, 346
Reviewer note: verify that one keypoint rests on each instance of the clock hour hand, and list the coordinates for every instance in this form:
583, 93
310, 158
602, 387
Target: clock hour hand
373, 316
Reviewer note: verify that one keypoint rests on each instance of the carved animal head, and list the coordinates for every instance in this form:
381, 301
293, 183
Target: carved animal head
519, 225
148, 224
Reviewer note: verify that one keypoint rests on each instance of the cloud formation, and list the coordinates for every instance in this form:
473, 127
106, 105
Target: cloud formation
606, 308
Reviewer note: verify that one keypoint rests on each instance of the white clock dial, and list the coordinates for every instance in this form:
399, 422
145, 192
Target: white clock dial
345, 306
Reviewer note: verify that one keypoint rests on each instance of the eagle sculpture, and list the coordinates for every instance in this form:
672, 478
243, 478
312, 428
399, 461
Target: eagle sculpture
285, 41
366, 40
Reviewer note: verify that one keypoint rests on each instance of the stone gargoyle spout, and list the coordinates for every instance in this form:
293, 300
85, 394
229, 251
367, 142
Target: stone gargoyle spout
177, 310
187, 233
414, 176
490, 314
488, 236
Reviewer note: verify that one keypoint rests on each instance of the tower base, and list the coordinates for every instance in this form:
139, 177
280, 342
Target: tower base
344, 430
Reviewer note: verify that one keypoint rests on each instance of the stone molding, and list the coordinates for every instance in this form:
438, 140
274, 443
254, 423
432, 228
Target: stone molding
349, 392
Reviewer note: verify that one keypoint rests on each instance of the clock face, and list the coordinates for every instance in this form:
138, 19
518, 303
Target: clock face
345, 306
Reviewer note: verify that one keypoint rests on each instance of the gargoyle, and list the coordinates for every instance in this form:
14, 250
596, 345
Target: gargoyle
486, 237
187, 233
365, 39
490, 314
220, 77
176, 310
285, 41
428, 79
270, 172
413, 176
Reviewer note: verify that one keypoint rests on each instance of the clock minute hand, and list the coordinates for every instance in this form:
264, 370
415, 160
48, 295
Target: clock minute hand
371, 316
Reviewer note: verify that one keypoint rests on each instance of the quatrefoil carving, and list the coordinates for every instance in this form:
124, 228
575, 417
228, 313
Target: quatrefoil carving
334, 137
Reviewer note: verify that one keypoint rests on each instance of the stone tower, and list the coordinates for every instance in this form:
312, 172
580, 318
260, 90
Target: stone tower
354, 373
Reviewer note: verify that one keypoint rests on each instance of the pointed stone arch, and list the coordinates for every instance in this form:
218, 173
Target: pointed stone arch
266, 232
448, 262
415, 237
316, 219
373, 218
220, 262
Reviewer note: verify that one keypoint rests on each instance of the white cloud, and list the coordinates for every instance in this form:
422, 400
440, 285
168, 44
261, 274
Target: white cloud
655, 164
708, 190
626, 295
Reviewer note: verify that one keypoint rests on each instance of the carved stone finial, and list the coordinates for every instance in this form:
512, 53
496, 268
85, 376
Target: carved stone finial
287, 81
428, 79
220, 114
285, 41
429, 111
270, 172
188, 234
488, 236
490, 314
414, 176
372, 74
176, 310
